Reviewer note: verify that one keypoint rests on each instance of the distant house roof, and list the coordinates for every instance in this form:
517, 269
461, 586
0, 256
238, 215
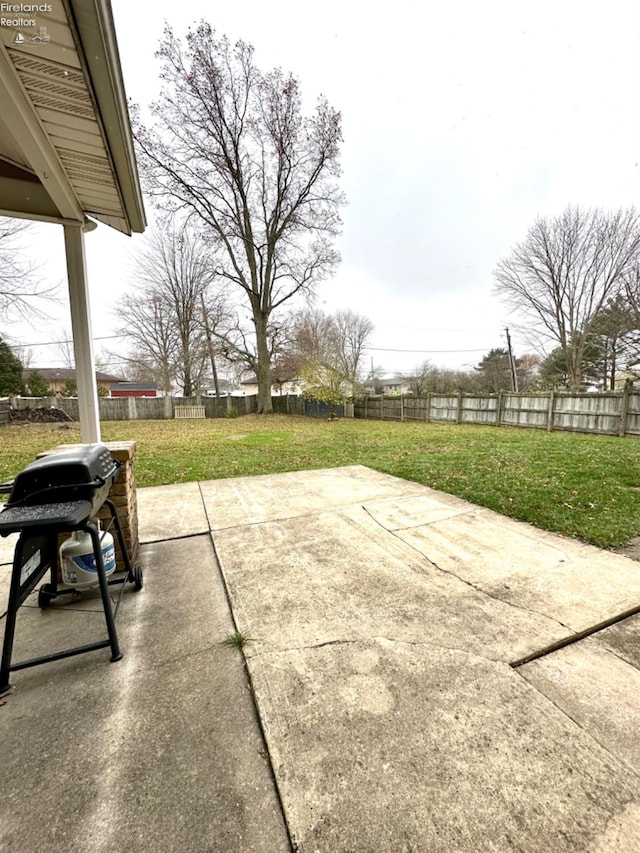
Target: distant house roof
65, 374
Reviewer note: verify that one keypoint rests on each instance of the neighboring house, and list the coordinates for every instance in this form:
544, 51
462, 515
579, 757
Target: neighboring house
226, 389
394, 385
57, 378
134, 389
624, 376
292, 386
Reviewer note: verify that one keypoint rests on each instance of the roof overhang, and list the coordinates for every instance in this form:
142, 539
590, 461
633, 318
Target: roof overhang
66, 148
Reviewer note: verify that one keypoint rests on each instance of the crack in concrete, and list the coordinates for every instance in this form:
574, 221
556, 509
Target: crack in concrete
474, 512
184, 656
468, 583
364, 640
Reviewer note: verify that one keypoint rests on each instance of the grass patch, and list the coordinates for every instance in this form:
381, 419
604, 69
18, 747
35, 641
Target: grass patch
237, 640
581, 485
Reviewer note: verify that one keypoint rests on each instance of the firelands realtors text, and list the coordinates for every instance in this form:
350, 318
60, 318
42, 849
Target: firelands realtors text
13, 8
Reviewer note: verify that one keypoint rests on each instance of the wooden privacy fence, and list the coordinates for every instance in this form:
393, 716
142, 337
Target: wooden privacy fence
161, 408
146, 408
608, 413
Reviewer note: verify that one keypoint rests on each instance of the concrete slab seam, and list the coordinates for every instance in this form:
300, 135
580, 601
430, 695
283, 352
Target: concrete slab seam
476, 587
616, 654
175, 538
579, 635
252, 691
614, 758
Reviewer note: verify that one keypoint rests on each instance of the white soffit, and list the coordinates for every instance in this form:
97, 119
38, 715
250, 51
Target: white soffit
65, 139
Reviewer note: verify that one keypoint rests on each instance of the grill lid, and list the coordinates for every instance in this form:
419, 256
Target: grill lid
82, 472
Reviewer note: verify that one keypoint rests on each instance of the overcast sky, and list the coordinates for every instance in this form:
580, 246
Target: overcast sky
462, 122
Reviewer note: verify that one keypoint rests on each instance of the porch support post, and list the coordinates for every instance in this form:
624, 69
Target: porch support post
82, 337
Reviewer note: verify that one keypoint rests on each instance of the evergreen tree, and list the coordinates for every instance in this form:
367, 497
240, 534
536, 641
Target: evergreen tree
37, 385
495, 371
10, 371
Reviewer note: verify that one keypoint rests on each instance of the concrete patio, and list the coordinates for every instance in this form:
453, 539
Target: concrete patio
375, 707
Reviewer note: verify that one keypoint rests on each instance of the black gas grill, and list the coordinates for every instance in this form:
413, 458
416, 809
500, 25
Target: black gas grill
84, 473
59, 493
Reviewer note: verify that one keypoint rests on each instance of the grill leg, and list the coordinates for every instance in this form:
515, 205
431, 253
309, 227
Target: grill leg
116, 654
10, 624
40, 548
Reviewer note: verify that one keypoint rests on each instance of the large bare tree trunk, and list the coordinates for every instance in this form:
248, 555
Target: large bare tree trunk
263, 371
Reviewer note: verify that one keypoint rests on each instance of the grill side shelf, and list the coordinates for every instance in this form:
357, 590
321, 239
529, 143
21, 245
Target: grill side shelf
15, 518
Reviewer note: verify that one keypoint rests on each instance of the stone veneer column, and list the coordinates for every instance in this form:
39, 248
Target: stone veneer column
123, 496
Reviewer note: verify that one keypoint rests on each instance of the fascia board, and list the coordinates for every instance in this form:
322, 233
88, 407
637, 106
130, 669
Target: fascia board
94, 23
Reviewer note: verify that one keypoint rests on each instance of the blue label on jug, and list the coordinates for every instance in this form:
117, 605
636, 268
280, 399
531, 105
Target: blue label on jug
87, 562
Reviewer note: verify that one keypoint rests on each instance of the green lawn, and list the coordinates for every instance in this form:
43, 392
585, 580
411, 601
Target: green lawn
581, 485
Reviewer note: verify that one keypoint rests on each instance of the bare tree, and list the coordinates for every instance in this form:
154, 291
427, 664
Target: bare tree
313, 335
564, 272
230, 145
352, 334
237, 343
150, 333
336, 341
165, 322
22, 292
420, 379
528, 367
63, 349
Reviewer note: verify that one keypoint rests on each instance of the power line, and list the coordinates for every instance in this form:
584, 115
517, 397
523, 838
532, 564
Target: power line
451, 351
70, 341
427, 329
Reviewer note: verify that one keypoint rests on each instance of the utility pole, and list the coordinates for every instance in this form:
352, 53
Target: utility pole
512, 365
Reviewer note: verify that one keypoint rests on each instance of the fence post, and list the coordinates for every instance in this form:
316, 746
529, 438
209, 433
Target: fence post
382, 407
550, 411
459, 409
401, 407
499, 409
366, 400
625, 408
428, 411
